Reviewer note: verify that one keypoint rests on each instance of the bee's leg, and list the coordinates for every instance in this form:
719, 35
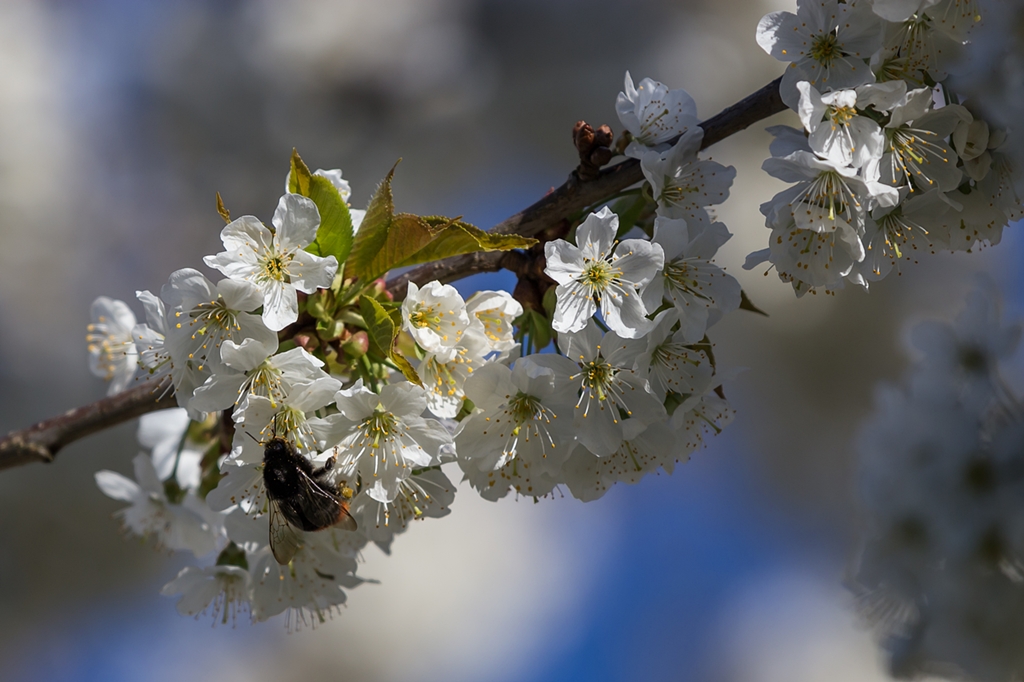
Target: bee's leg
328, 465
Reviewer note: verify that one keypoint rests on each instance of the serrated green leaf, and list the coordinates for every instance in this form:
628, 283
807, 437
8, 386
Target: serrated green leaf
412, 240
334, 236
373, 231
407, 235
386, 240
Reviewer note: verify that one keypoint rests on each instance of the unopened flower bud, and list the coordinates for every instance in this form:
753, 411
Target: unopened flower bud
356, 345
306, 340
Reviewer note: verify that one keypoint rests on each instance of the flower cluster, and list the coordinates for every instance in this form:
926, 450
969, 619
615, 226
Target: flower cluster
941, 572
889, 163
372, 397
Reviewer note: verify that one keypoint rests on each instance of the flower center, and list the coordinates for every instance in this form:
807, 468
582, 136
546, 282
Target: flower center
681, 275
898, 231
445, 378
494, 323
830, 191
213, 322
523, 408
650, 121
265, 380
110, 347
911, 148
597, 274
380, 428
825, 49
274, 266
597, 378
676, 194
841, 116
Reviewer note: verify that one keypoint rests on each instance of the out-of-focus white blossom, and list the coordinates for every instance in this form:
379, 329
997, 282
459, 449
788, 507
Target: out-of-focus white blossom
112, 352
173, 526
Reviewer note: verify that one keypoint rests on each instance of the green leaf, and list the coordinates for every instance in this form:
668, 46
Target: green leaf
536, 331
382, 330
747, 304
386, 240
373, 231
379, 326
299, 175
407, 370
334, 236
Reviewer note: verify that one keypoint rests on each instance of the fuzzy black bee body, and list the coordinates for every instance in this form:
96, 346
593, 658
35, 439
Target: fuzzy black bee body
300, 497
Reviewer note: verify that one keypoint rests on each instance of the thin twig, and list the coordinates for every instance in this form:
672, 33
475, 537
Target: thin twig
42, 441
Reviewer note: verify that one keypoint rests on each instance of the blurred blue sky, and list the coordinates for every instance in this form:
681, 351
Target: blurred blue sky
169, 102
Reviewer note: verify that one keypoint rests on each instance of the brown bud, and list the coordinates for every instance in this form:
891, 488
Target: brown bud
603, 136
583, 137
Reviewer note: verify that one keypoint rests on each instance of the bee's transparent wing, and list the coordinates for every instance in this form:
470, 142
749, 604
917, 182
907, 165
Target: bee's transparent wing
345, 520
322, 508
284, 539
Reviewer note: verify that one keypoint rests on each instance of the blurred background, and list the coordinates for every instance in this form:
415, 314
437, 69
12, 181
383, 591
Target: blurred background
122, 118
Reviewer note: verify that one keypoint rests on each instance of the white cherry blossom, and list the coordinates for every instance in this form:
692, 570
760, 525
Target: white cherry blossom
521, 431
917, 153
310, 588
275, 262
654, 115
700, 291
615, 402
154, 356
614, 274
384, 436
683, 184
444, 372
165, 434
828, 44
589, 477
435, 315
219, 591
494, 312
670, 363
837, 131
426, 493
201, 318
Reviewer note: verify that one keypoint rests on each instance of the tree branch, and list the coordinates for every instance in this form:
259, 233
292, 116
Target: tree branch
575, 195
42, 441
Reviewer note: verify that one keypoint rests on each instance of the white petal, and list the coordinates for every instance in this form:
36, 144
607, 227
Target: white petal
296, 221
116, 486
